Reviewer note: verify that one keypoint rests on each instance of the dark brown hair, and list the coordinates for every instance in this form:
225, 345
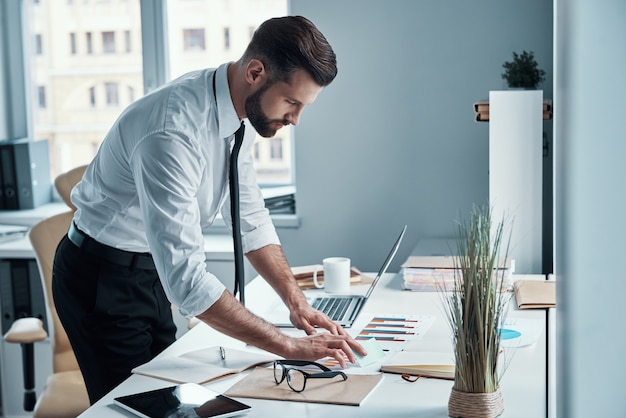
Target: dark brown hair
287, 44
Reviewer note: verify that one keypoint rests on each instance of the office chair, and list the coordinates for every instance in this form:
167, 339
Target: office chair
64, 394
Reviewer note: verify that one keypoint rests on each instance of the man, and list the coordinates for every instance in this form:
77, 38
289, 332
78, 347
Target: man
159, 178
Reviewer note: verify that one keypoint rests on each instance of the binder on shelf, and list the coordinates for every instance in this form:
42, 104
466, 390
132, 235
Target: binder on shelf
21, 292
8, 176
25, 173
2, 204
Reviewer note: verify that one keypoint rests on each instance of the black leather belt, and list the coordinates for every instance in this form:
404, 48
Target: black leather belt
142, 261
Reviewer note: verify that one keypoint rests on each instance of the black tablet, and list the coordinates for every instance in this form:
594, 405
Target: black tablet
188, 400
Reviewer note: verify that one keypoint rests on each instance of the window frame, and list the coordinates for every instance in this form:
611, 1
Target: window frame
20, 92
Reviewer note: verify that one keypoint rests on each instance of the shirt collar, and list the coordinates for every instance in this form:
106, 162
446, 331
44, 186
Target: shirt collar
227, 120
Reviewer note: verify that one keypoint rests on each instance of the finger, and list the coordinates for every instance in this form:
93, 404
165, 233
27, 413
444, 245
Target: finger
354, 345
340, 357
309, 329
331, 326
346, 353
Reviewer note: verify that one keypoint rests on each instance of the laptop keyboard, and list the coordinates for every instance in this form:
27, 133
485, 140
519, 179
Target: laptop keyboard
335, 308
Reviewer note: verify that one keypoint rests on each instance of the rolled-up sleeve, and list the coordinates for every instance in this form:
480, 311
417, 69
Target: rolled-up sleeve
167, 173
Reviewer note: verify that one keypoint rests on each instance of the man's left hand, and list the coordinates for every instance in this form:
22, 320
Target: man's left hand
306, 318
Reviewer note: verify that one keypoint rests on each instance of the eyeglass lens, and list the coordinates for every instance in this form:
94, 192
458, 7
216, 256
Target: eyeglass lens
296, 379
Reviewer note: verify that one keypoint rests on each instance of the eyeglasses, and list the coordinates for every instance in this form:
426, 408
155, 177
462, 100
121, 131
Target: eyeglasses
296, 378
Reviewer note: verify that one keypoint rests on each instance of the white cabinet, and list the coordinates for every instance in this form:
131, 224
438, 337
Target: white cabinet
515, 172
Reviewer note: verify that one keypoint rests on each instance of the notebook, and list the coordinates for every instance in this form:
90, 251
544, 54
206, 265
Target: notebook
342, 309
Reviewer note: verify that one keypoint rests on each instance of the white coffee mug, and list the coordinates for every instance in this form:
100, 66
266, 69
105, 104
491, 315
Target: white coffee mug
336, 275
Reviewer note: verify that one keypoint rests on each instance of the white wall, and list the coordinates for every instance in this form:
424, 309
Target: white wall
393, 139
590, 87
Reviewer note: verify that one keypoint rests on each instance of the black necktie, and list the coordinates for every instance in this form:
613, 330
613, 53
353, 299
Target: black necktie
234, 214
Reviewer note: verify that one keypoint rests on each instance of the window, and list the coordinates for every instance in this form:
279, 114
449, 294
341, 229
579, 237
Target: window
89, 43
41, 97
221, 37
226, 39
276, 148
108, 42
89, 78
255, 151
73, 43
193, 39
111, 90
38, 45
92, 97
127, 40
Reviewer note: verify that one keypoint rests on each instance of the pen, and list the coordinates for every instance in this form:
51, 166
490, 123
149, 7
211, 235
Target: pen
222, 353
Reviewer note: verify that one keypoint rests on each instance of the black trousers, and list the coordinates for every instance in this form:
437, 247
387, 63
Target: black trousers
116, 317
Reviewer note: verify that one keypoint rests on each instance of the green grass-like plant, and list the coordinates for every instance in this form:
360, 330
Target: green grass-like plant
475, 306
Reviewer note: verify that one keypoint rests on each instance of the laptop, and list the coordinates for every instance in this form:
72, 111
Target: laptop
342, 309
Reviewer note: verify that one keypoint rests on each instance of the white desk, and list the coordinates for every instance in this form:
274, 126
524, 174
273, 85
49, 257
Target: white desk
523, 384
219, 258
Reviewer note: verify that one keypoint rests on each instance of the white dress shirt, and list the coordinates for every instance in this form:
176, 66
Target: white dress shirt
161, 176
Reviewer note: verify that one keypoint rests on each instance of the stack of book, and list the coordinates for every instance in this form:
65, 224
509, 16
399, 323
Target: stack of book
481, 110
433, 273
280, 200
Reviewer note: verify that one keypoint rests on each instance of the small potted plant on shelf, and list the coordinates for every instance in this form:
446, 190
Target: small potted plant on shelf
475, 309
523, 72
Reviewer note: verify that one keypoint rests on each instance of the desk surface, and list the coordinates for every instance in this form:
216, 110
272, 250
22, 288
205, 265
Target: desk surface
523, 384
216, 247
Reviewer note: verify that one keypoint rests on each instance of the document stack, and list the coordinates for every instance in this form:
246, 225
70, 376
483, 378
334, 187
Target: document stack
434, 273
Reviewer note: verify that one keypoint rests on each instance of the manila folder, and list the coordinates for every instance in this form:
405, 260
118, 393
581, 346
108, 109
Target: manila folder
535, 293
260, 384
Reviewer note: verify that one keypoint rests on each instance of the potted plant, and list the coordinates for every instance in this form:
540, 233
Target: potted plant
475, 308
523, 72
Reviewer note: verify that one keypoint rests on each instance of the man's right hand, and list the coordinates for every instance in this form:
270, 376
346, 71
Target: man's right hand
341, 347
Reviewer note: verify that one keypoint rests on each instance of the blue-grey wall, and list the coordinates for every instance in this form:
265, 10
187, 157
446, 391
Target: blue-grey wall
393, 139
590, 224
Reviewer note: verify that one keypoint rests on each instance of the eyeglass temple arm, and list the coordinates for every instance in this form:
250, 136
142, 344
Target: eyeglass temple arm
322, 375
302, 363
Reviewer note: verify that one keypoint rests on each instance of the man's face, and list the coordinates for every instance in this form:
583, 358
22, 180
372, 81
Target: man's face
279, 104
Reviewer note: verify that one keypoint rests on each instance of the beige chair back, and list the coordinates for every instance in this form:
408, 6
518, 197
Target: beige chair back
45, 236
65, 182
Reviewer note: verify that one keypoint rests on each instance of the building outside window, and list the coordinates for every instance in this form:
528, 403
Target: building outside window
127, 41
92, 97
41, 97
226, 39
200, 34
276, 148
108, 42
89, 39
194, 40
73, 43
38, 44
112, 94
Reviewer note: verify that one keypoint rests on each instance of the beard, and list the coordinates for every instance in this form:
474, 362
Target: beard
259, 120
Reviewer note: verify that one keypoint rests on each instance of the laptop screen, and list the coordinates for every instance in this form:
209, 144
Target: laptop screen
385, 265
